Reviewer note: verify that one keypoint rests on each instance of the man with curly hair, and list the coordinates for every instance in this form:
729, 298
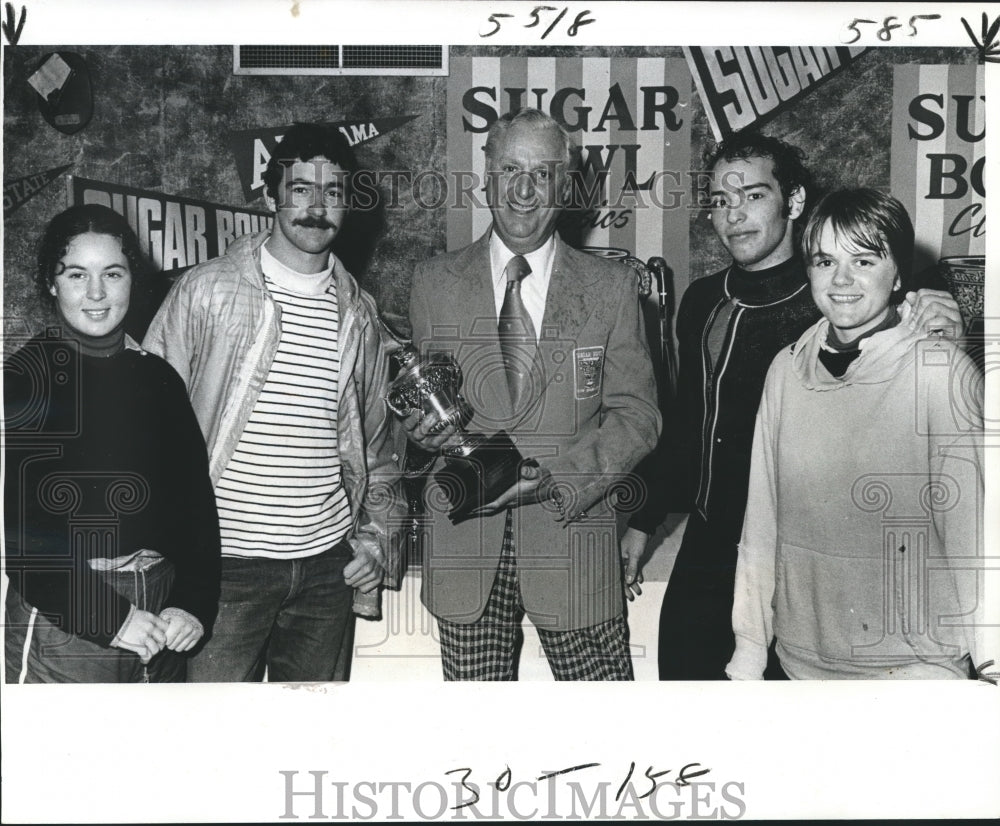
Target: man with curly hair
281, 353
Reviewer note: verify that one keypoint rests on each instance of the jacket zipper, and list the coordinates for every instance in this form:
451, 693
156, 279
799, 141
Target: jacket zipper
706, 390
249, 368
346, 335
712, 380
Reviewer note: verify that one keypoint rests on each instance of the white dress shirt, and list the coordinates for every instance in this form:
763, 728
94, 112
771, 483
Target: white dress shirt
534, 287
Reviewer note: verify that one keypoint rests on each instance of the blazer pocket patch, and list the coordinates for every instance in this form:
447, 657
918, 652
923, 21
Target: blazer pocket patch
589, 368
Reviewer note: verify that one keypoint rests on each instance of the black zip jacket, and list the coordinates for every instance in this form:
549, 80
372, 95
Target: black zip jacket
703, 461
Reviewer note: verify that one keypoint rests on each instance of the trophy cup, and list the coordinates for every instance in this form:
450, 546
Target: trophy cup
478, 468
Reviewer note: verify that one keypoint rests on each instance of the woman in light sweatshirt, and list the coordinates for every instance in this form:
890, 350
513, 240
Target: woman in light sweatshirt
862, 552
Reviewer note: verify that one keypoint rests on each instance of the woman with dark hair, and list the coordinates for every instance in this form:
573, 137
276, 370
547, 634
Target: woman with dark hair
861, 553
112, 539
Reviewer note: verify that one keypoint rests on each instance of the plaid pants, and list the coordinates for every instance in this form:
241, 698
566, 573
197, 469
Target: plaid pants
487, 648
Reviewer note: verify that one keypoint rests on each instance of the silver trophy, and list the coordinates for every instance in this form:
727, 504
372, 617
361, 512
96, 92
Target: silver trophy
479, 467
428, 387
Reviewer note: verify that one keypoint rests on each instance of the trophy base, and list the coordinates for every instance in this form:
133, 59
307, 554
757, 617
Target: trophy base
477, 472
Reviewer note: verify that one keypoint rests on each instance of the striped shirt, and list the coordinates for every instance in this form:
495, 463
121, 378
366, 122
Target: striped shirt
281, 494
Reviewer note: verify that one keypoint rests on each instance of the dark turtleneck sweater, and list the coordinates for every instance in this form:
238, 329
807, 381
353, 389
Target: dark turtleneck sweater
99, 346
105, 346
730, 326
104, 458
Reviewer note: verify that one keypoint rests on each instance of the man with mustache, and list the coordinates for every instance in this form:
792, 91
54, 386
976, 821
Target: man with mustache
281, 353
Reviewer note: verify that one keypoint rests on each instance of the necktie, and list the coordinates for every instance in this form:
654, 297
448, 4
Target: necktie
517, 333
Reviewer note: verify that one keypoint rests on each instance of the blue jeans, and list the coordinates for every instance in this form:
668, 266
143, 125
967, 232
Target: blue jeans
293, 616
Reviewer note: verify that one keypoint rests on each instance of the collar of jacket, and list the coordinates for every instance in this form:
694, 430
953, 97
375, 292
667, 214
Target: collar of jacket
768, 286
577, 290
476, 258
246, 251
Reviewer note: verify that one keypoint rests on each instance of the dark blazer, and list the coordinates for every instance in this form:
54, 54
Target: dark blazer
592, 415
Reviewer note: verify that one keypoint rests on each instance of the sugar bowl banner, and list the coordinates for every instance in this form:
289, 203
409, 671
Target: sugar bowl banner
175, 232
630, 116
939, 157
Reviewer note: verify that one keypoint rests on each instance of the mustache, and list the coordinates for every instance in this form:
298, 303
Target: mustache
314, 223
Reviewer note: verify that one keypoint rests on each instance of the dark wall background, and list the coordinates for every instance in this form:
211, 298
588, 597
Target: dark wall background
162, 115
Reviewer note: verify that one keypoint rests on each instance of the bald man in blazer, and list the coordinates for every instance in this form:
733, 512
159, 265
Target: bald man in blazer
582, 407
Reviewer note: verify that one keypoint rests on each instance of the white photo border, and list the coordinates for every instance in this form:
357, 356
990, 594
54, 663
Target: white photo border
216, 753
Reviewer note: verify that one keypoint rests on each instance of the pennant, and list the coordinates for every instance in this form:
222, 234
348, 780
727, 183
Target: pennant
175, 232
16, 193
742, 86
252, 148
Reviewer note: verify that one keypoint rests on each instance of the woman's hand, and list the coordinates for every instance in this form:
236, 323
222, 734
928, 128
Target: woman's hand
184, 630
142, 633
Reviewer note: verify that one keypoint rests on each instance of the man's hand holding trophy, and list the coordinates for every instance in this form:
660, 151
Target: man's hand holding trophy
482, 474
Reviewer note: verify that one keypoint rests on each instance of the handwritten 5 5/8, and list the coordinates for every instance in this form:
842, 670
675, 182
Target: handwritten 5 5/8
536, 20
